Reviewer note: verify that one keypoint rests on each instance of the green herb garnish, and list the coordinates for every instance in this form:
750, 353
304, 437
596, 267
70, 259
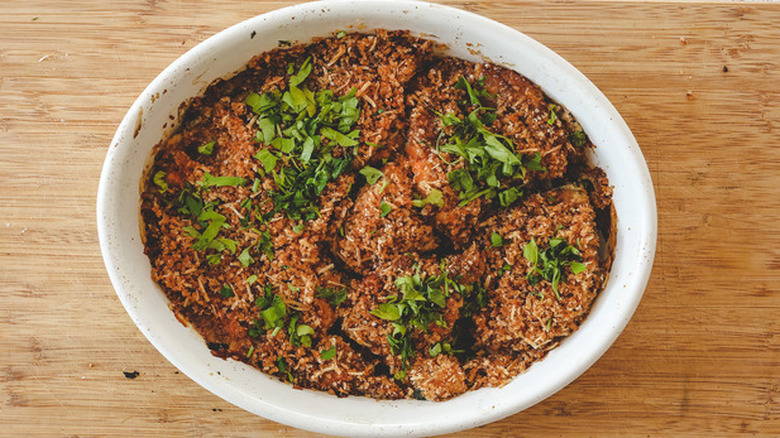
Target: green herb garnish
282, 366
300, 334
226, 291
328, 354
215, 222
421, 303
384, 209
434, 197
372, 174
553, 117
265, 245
251, 279
310, 134
332, 295
245, 258
341, 34
220, 181
578, 139
159, 181
272, 312
268, 161
496, 241
207, 148
490, 163
550, 263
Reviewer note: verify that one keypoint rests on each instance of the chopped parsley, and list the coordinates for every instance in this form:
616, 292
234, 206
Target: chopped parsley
282, 366
553, 117
328, 354
272, 313
550, 263
226, 291
490, 163
384, 209
268, 160
220, 181
341, 34
496, 241
300, 334
309, 141
434, 197
332, 295
251, 279
422, 302
215, 222
265, 245
245, 258
578, 139
159, 181
207, 148
275, 317
372, 174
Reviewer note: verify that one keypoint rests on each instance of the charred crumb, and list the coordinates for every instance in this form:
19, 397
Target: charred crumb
131, 374
216, 346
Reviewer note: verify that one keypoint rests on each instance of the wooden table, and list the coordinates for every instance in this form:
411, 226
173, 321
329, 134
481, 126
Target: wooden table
699, 85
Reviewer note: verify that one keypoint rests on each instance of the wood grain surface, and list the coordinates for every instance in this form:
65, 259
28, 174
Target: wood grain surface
699, 85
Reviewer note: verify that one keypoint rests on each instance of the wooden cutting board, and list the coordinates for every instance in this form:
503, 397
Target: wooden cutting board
699, 84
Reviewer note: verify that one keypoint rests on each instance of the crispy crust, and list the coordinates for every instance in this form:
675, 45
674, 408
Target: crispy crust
353, 250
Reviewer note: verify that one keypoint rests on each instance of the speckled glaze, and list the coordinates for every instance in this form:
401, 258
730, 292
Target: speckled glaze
466, 35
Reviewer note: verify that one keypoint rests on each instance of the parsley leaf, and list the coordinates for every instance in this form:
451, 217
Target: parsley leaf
207, 148
550, 263
372, 174
553, 117
159, 181
421, 303
267, 159
490, 163
220, 181
226, 291
332, 295
215, 222
384, 209
387, 311
496, 241
328, 354
435, 197
311, 134
578, 139
272, 310
245, 258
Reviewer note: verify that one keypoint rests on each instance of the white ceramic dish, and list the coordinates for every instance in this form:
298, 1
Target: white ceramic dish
146, 122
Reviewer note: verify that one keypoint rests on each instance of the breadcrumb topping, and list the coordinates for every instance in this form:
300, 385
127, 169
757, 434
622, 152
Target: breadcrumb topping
399, 286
